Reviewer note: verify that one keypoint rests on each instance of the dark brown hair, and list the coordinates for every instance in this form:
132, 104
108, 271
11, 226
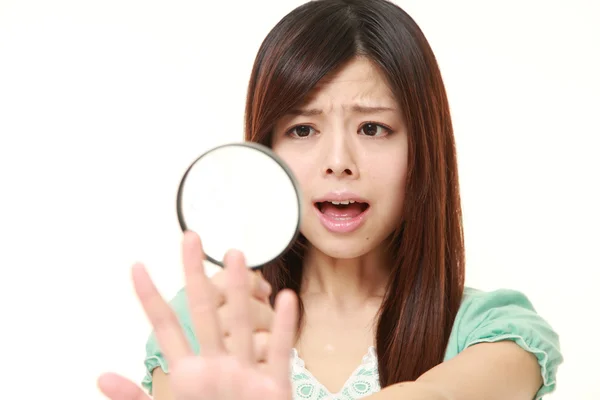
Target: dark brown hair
427, 278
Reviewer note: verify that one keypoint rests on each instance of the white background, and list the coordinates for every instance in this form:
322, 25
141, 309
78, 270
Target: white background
103, 104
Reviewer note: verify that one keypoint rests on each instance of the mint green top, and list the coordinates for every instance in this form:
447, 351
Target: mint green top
483, 317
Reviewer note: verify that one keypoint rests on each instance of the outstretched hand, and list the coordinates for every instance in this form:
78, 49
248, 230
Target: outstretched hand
215, 374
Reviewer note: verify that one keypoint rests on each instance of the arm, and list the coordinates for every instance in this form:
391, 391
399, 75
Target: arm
500, 348
500, 370
491, 371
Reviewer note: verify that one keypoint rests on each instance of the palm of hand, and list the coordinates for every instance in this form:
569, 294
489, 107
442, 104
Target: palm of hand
225, 377
215, 374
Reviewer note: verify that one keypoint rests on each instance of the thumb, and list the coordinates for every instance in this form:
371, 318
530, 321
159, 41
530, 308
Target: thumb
116, 387
262, 287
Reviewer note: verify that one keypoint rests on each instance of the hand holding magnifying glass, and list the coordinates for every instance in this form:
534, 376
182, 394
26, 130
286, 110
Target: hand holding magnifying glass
261, 203
215, 374
241, 196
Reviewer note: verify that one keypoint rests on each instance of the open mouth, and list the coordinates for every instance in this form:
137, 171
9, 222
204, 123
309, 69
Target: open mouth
342, 210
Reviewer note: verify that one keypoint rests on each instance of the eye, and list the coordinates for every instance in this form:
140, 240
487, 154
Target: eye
300, 131
375, 130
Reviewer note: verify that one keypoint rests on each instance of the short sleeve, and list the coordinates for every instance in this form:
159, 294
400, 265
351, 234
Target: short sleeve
154, 357
509, 315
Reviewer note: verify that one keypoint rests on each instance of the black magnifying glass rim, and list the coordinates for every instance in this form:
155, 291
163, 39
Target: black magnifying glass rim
267, 151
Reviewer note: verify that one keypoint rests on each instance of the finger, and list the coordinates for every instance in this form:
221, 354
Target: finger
167, 328
260, 288
261, 317
238, 296
218, 282
262, 366
203, 312
283, 336
116, 387
260, 342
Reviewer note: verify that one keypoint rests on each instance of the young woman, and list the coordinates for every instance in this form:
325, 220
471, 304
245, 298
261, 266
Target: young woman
370, 299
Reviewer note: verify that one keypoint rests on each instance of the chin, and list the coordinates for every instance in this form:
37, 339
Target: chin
341, 247
364, 240
341, 252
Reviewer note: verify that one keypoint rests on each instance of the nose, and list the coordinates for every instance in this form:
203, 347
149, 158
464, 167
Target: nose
340, 159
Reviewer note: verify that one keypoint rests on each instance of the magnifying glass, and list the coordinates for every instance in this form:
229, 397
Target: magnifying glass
240, 196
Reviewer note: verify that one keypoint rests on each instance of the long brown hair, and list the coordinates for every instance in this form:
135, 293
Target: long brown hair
427, 278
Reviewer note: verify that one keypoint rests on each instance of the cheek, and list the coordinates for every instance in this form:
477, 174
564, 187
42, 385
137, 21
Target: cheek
304, 176
299, 166
390, 179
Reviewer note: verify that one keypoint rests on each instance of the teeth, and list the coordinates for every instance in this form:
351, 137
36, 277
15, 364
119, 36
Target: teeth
344, 202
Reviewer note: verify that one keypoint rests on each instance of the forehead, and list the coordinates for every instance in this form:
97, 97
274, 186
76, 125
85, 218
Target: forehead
357, 81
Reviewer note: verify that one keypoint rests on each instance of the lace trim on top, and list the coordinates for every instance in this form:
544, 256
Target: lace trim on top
362, 382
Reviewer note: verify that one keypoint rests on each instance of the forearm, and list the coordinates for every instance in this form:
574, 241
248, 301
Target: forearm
492, 371
410, 391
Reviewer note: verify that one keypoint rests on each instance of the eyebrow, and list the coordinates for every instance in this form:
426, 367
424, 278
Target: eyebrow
309, 112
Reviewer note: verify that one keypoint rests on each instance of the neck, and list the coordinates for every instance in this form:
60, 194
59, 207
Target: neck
345, 283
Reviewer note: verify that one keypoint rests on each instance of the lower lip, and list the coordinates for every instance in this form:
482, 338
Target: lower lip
342, 225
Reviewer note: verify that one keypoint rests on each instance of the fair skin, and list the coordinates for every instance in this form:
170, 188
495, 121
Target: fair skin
349, 135
219, 372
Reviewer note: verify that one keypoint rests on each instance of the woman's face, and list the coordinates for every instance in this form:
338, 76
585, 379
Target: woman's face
347, 146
